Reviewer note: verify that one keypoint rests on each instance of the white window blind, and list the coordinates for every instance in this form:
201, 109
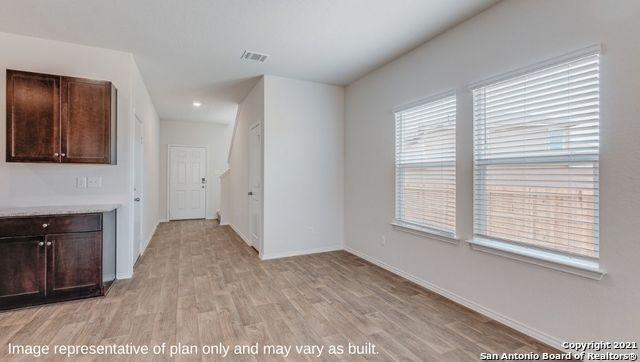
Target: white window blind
426, 165
536, 147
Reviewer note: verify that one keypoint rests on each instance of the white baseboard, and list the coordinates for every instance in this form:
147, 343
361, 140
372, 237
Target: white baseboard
519, 326
244, 238
287, 254
144, 248
124, 276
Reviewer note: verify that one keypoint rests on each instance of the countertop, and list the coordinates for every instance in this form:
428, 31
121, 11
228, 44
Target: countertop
55, 210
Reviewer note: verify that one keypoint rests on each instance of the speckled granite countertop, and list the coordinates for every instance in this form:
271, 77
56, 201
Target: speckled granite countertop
55, 210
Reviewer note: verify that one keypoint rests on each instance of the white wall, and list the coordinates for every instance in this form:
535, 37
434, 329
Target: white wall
303, 167
24, 184
46, 184
551, 305
250, 111
146, 112
215, 136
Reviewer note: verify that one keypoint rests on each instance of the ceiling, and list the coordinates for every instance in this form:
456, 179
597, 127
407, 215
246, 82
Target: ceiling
190, 50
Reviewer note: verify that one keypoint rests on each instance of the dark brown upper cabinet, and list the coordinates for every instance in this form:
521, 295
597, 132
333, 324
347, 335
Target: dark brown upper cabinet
52, 118
33, 117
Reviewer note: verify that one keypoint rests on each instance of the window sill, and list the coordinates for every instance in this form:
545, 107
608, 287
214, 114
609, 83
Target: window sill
424, 232
568, 264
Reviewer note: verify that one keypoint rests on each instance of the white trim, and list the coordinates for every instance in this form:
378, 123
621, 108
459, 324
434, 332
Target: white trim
421, 101
244, 238
140, 172
206, 160
519, 326
590, 50
163, 220
287, 254
569, 264
258, 124
424, 232
146, 244
124, 276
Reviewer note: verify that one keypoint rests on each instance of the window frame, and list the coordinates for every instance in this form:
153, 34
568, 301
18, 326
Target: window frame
400, 224
548, 257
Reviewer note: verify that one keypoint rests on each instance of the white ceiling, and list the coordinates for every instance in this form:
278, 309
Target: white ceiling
190, 49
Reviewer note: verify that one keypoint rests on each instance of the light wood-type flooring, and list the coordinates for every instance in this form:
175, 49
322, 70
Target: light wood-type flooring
199, 284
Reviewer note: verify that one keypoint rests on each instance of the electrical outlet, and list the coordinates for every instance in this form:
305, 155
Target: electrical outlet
81, 182
383, 240
94, 182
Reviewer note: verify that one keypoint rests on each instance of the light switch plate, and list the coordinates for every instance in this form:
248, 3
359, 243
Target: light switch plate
94, 181
81, 182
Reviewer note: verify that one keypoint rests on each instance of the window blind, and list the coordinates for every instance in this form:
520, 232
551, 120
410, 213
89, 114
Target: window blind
536, 151
426, 165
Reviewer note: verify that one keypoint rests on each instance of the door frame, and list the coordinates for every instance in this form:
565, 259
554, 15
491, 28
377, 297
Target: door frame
206, 164
260, 248
138, 253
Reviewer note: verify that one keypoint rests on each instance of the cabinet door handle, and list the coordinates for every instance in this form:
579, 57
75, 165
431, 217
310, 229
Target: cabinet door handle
56, 154
41, 243
63, 154
45, 225
48, 243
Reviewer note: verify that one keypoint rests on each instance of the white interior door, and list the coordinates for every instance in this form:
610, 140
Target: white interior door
255, 186
138, 149
187, 182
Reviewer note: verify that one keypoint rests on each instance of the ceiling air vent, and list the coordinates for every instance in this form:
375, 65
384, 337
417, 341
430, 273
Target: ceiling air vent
257, 57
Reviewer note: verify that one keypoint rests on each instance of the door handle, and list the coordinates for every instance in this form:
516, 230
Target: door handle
41, 243
250, 193
48, 243
136, 199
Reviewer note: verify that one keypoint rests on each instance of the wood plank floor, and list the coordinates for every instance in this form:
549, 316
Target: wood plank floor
199, 284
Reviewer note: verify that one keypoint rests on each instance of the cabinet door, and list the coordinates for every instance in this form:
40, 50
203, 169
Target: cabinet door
33, 117
86, 121
74, 264
22, 271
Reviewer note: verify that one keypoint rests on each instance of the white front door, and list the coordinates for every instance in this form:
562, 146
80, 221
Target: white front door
137, 189
255, 187
187, 182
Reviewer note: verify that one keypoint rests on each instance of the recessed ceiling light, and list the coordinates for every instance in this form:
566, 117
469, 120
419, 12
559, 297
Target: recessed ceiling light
196, 104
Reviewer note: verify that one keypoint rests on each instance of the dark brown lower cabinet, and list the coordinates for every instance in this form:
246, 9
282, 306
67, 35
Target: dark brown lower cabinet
71, 264
58, 260
22, 270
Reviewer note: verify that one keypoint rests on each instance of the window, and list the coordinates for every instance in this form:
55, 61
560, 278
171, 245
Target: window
536, 150
426, 166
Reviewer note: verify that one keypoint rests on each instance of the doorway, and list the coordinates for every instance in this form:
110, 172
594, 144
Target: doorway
138, 184
255, 186
187, 182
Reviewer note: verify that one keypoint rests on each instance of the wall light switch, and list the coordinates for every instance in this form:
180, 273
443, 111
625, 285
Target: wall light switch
81, 182
94, 182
